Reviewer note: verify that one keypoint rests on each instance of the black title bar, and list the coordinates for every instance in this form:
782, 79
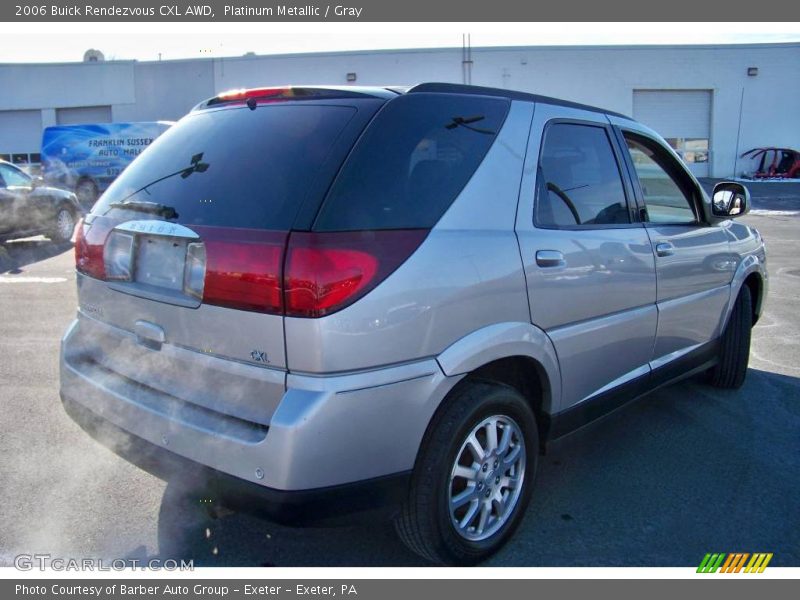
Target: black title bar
399, 10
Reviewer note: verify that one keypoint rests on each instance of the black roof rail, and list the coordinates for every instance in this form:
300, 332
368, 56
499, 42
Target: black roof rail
457, 88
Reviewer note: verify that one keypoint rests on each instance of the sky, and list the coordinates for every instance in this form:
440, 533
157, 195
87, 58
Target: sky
66, 42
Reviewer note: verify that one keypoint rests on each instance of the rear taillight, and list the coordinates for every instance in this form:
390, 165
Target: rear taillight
90, 242
302, 274
326, 272
118, 256
243, 268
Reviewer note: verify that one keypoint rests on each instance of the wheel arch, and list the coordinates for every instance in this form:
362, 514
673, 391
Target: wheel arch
751, 273
755, 283
516, 354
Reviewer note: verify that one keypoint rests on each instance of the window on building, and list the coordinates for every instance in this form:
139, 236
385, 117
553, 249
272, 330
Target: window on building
579, 182
691, 150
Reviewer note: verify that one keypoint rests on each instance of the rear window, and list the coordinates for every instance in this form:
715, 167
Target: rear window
234, 167
412, 162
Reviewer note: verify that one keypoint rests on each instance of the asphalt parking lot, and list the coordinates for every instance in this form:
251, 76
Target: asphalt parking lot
688, 470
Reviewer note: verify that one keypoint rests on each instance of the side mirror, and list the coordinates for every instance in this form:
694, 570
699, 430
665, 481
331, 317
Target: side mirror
38, 181
730, 200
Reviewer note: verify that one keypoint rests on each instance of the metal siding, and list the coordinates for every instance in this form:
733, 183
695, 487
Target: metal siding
20, 131
83, 114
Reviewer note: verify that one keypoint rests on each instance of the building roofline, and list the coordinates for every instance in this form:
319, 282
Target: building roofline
447, 49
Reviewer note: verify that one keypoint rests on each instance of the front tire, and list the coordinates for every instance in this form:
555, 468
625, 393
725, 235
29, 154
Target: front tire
734, 352
474, 476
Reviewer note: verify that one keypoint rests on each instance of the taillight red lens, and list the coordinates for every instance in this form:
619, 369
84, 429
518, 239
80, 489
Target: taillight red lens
326, 272
243, 268
90, 240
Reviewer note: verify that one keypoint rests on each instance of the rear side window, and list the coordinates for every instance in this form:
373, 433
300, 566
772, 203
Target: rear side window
412, 162
234, 167
579, 179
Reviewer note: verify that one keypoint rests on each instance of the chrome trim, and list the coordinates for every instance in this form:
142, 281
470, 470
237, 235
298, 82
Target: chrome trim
156, 227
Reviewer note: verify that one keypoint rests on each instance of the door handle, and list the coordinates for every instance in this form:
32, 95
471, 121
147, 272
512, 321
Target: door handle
550, 258
665, 249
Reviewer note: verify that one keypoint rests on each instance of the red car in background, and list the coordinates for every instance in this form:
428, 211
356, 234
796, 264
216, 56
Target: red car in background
780, 163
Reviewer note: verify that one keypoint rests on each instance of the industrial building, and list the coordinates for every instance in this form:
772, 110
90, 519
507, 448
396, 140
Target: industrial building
710, 102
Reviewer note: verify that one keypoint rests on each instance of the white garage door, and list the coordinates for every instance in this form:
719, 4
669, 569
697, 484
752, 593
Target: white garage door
20, 131
683, 118
83, 114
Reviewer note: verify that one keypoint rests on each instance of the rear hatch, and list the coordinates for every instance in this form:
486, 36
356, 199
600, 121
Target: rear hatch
181, 260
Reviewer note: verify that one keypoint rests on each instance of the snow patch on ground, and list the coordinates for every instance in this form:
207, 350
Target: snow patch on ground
774, 213
24, 279
766, 180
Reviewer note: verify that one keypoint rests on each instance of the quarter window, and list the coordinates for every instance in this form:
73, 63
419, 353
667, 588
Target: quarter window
412, 162
579, 182
666, 193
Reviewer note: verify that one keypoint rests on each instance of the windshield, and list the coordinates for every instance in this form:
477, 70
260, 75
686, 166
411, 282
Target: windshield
231, 167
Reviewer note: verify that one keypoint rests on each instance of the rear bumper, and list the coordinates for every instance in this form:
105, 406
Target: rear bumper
381, 496
354, 437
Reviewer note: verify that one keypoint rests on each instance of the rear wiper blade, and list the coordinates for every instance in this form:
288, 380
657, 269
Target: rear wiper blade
196, 165
162, 210
466, 123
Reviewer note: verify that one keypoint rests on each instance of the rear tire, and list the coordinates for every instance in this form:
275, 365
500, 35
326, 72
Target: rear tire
64, 226
434, 526
734, 352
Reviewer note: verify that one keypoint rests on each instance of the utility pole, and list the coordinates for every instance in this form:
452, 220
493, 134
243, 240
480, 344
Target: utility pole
466, 58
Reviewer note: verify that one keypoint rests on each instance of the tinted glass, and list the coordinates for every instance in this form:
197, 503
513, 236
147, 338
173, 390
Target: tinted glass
412, 162
664, 198
13, 178
579, 182
234, 167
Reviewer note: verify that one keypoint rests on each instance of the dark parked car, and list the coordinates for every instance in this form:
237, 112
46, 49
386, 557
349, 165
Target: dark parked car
27, 207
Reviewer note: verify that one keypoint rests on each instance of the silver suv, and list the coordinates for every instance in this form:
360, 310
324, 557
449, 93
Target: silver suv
335, 300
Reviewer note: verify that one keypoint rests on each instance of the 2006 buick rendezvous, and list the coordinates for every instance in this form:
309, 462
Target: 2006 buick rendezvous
334, 299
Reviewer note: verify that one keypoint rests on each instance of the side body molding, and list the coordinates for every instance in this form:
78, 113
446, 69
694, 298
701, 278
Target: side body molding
503, 340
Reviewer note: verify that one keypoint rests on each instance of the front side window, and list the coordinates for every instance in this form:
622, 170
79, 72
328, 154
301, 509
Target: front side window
579, 182
667, 196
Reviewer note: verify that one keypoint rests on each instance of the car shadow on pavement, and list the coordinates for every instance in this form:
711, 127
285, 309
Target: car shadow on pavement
18, 254
686, 470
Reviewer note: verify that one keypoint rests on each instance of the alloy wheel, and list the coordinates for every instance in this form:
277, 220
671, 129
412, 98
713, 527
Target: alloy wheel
486, 478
